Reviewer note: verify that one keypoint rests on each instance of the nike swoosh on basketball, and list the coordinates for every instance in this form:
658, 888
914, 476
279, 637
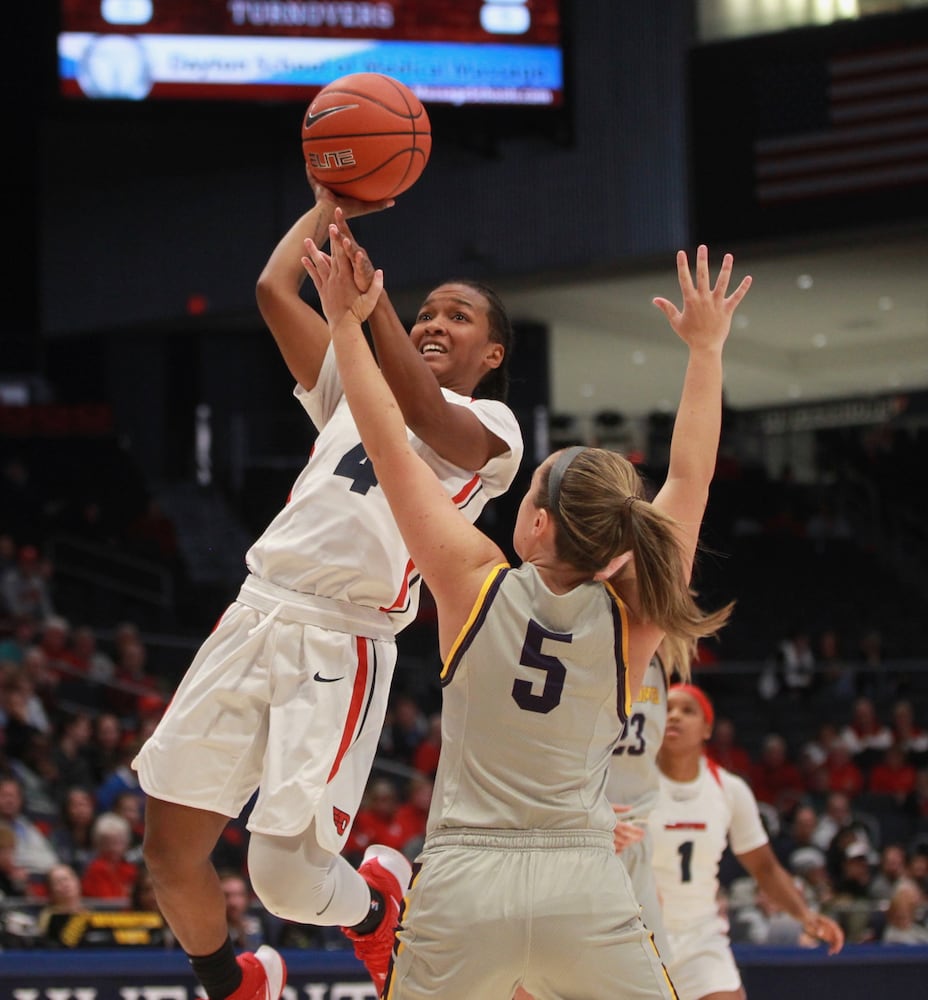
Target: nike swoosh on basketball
326, 680
311, 118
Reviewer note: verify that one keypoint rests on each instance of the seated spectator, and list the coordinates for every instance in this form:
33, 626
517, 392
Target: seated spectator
23, 633
864, 735
55, 642
376, 821
133, 687
836, 817
916, 867
13, 877
808, 864
38, 777
72, 834
908, 735
854, 905
130, 805
795, 834
890, 873
105, 746
843, 774
905, 916
143, 900
404, 730
793, 664
246, 930
17, 712
724, 749
425, 759
44, 683
874, 679
839, 681
893, 776
121, 779
91, 660
34, 854
109, 874
413, 814
63, 900
774, 774
72, 750
25, 586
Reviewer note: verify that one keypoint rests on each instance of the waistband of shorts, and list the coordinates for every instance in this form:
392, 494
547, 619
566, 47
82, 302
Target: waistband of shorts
338, 616
525, 840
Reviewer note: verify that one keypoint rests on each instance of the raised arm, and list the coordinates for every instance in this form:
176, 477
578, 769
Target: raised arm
703, 325
453, 556
454, 432
302, 335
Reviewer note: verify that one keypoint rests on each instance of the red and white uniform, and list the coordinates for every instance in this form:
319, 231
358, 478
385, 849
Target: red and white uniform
690, 825
290, 691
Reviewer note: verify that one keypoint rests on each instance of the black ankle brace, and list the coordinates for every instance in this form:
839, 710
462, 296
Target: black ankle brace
374, 915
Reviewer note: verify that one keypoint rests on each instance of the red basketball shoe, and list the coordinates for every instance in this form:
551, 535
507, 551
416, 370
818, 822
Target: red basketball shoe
387, 871
264, 975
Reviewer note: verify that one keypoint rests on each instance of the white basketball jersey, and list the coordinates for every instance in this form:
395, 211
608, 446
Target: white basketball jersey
336, 536
533, 702
633, 774
690, 825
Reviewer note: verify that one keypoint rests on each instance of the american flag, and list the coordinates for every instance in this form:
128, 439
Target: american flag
871, 134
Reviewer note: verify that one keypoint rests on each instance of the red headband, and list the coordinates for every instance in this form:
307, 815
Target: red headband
701, 698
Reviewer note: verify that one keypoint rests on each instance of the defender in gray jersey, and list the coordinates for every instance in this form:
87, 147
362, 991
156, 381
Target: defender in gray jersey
633, 789
518, 883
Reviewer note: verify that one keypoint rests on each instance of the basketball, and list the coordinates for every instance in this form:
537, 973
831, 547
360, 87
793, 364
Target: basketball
366, 136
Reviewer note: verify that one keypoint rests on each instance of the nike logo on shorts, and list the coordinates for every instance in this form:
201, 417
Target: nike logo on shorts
311, 118
326, 680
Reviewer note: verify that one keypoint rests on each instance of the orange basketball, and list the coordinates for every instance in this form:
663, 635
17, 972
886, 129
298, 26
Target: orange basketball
366, 136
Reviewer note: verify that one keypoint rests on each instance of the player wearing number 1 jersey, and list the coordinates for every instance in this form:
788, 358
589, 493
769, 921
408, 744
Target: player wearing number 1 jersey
289, 693
702, 808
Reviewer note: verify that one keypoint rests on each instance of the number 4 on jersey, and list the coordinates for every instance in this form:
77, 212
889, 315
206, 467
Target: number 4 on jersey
357, 467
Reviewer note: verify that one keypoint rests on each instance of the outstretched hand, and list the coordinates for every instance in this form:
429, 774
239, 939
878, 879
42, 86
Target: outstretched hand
333, 276
705, 319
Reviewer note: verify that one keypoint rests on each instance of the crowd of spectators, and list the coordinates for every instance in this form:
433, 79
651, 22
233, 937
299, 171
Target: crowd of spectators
847, 815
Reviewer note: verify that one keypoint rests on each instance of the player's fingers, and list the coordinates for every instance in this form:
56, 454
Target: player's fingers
316, 257
668, 309
702, 266
342, 222
739, 293
683, 272
721, 282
